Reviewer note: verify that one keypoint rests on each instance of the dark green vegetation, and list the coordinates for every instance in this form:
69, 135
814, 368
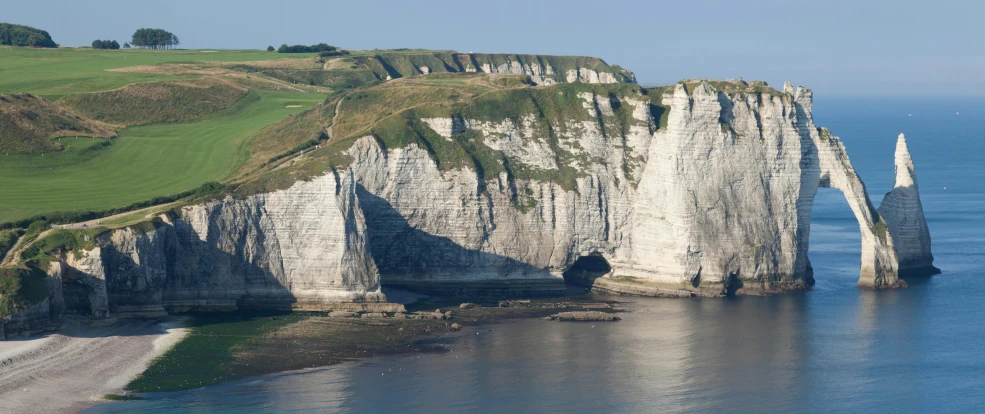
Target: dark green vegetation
17, 35
105, 44
29, 123
117, 397
154, 39
319, 48
205, 356
157, 102
20, 287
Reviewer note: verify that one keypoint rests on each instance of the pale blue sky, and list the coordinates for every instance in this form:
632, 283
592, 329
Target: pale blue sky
877, 47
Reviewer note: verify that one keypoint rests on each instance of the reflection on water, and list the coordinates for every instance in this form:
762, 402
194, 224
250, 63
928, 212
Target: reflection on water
840, 349
836, 348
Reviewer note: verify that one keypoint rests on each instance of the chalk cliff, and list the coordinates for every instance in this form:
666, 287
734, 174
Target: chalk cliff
903, 212
299, 248
702, 188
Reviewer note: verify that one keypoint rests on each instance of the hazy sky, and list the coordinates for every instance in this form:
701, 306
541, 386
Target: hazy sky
878, 47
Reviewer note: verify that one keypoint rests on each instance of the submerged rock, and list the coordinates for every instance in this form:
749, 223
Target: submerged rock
584, 316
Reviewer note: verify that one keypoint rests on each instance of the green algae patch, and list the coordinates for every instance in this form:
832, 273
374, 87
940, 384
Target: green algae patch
205, 355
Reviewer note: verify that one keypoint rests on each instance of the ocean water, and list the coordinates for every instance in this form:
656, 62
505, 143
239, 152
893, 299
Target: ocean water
836, 348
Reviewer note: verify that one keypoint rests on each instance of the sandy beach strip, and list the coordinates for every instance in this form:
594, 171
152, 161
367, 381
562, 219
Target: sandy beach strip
74, 368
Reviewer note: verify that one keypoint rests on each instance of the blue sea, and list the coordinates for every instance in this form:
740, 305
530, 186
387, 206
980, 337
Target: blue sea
836, 348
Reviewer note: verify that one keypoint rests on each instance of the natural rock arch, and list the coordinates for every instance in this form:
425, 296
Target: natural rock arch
895, 238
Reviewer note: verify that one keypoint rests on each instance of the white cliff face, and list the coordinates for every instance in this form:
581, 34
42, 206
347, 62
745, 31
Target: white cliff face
539, 75
446, 127
903, 212
586, 75
719, 201
299, 248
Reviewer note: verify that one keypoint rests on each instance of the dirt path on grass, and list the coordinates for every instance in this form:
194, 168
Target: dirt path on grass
97, 222
14, 255
74, 368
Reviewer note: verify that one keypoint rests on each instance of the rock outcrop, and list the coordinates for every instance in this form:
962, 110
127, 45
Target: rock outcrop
542, 69
903, 212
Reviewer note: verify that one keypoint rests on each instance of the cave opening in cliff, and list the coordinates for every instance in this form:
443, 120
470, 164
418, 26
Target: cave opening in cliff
76, 295
586, 269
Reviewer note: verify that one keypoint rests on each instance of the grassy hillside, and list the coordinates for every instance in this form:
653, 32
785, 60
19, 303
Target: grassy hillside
53, 73
143, 162
156, 102
28, 123
243, 117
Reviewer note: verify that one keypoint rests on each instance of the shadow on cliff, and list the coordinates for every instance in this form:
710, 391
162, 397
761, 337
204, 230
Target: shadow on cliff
412, 259
175, 272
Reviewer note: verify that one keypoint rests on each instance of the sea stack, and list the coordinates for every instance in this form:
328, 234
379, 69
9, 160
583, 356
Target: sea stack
903, 212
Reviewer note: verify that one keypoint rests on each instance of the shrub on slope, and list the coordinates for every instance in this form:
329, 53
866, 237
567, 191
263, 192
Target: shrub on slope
20, 288
28, 122
155, 102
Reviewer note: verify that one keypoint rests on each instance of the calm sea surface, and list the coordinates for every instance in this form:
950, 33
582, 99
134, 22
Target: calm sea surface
836, 348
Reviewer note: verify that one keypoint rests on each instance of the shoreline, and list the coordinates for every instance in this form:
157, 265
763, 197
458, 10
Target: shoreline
229, 347
77, 366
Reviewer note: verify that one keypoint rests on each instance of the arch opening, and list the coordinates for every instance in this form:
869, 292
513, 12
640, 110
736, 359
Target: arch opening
586, 269
835, 241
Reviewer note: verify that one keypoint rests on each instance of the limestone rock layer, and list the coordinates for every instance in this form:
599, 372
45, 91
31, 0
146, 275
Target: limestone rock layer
299, 248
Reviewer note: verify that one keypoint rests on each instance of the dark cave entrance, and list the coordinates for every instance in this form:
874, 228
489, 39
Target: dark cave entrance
586, 269
76, 296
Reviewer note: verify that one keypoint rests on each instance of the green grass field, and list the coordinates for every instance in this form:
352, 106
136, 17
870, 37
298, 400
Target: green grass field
143, 162
53, 73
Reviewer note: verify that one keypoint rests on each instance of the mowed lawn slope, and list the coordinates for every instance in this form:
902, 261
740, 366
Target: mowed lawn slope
143, 162
53, 73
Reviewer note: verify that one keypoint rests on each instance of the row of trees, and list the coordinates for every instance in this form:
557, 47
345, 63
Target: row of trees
319, 48
154, 39
106, 44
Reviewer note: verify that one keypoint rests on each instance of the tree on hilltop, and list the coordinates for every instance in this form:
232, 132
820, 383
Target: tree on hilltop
17, 35
105, 44
270, 48
154, 39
